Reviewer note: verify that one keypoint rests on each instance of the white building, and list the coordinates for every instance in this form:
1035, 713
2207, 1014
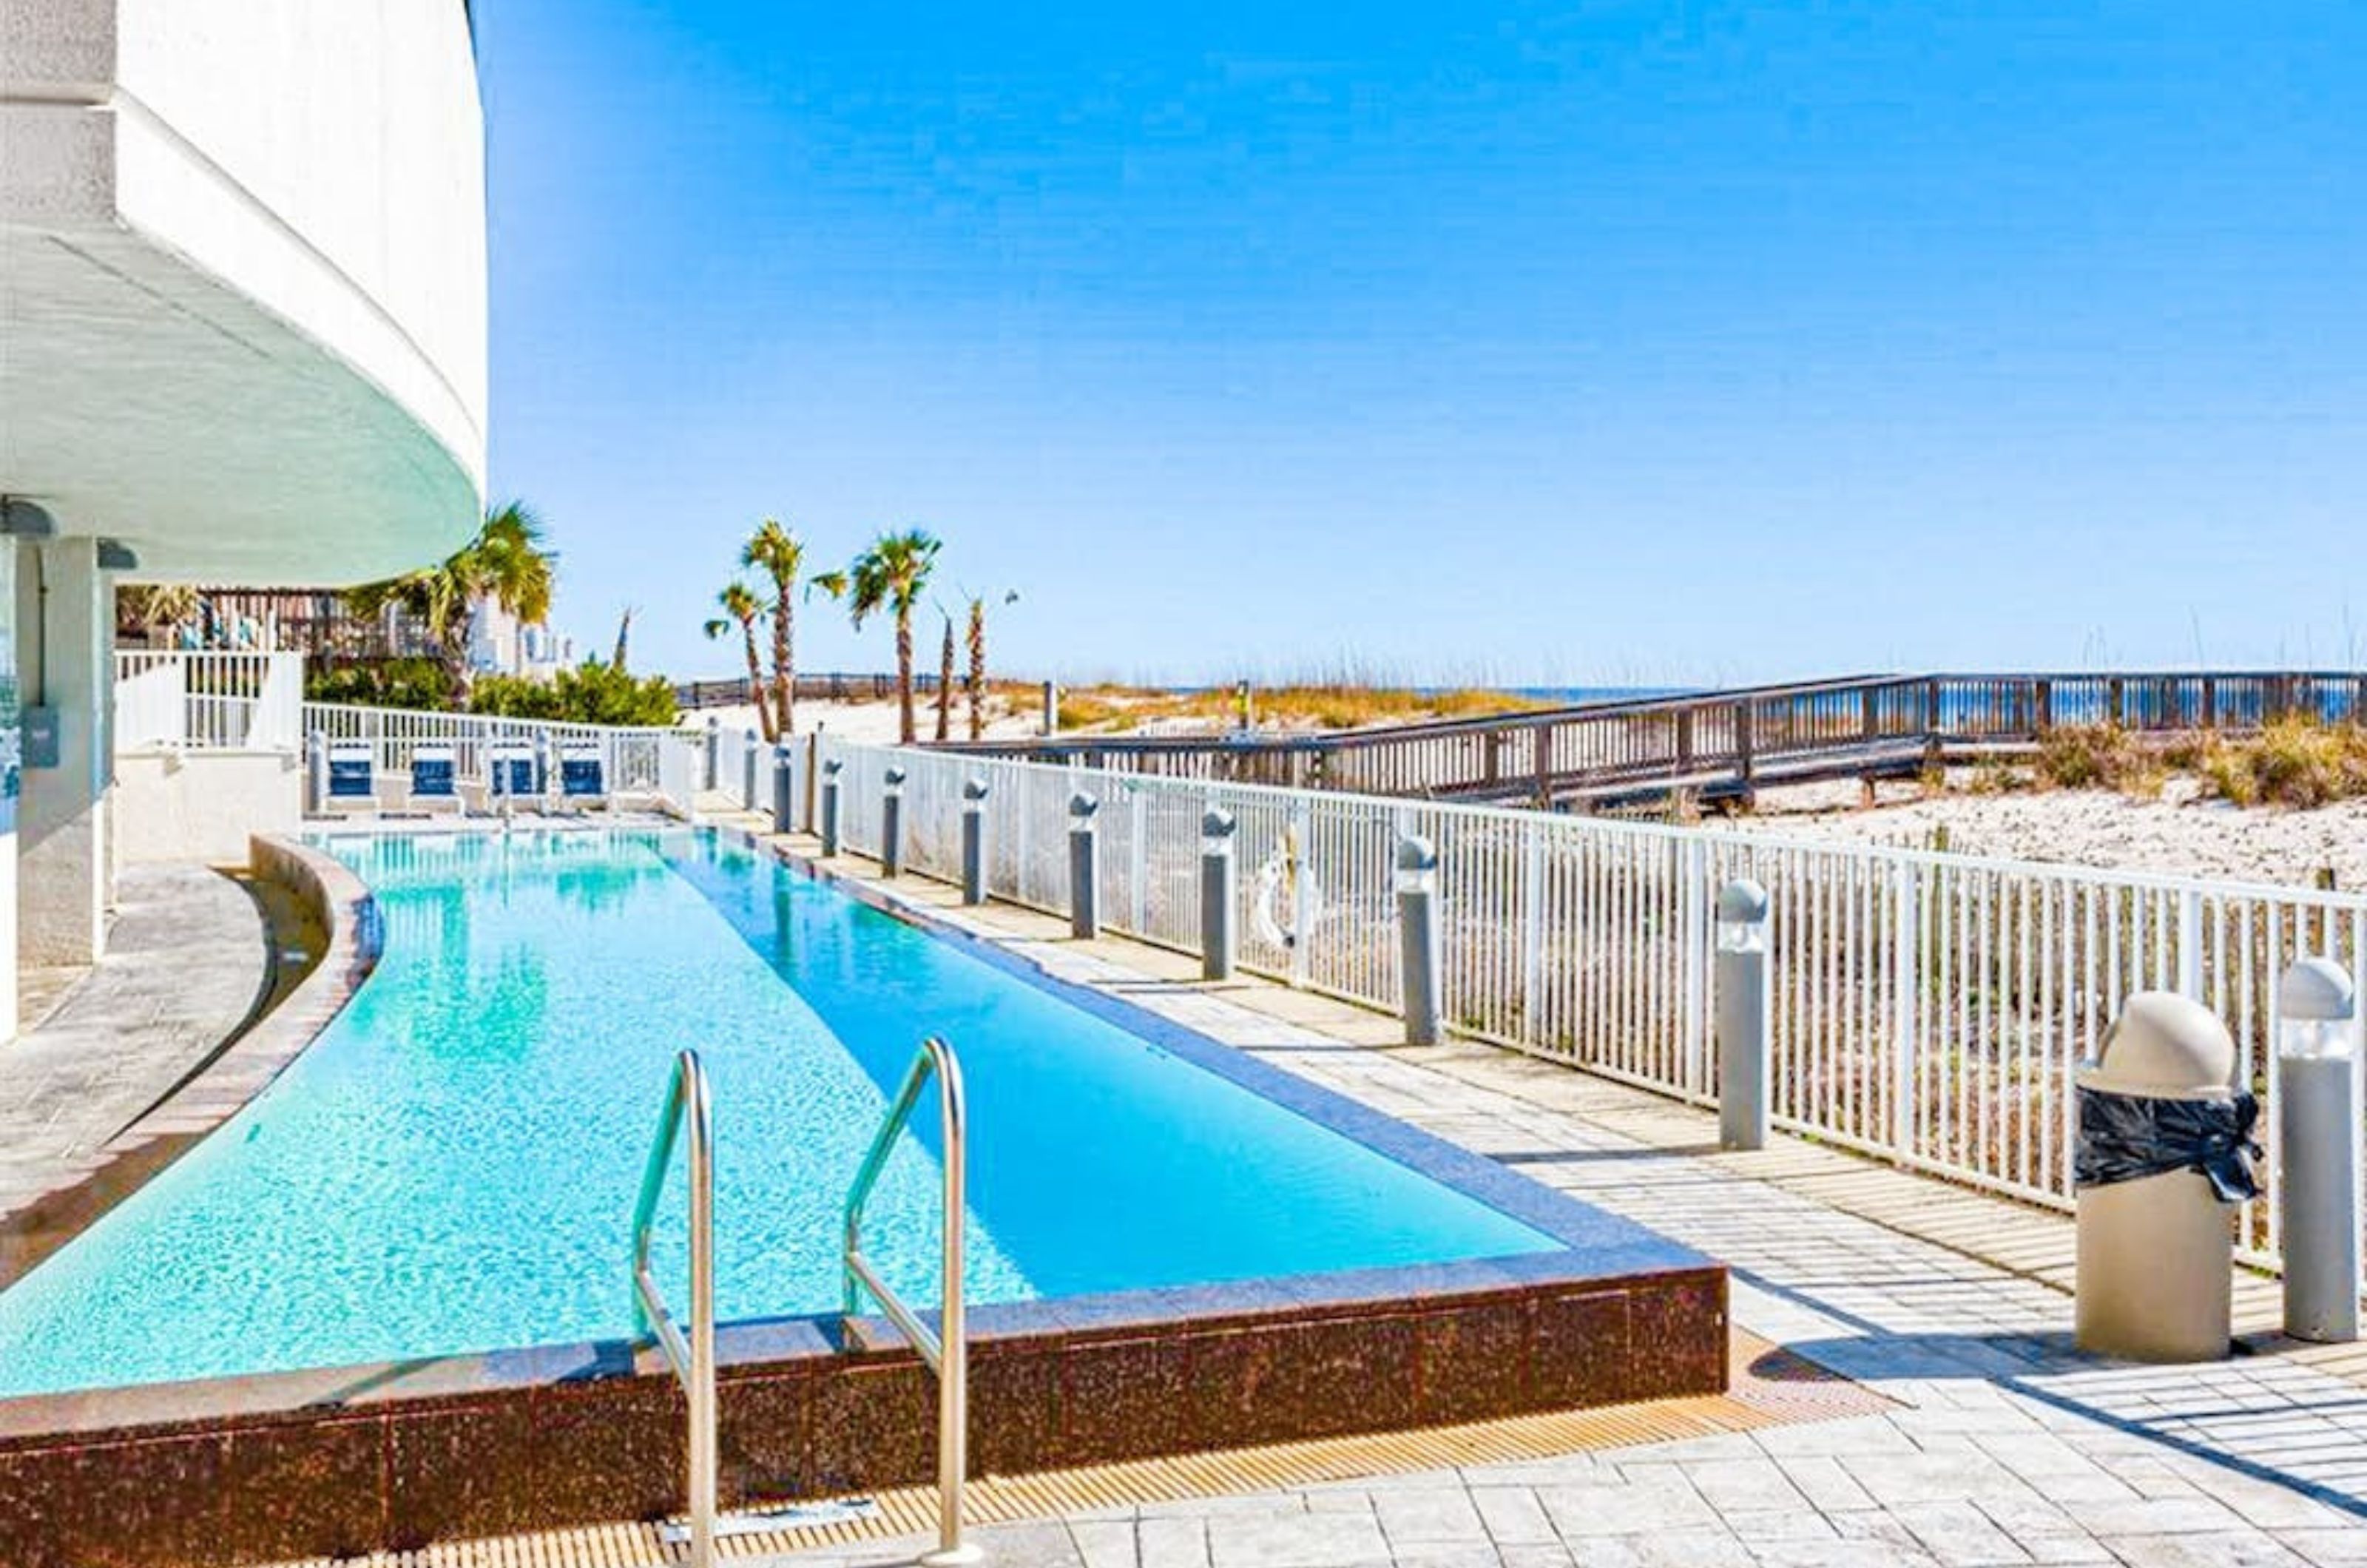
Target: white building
242, 340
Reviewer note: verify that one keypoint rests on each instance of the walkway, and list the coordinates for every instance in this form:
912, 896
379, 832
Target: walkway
186, 960
2007, 1447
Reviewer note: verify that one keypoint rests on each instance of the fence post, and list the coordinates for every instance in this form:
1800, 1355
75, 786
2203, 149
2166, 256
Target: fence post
813, 776
1302, 892
714, 752
829, 800
2189, 943
784, 790
1743, 741
1417, 889
1084, 869
316, 773
1219, 895
1742, 1053
1139, 860
1694, 874
1532, 931
1906, 992
2317, 1096
973, 841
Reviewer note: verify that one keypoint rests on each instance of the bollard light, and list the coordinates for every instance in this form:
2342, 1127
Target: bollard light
891, 823
1084, 869
1417, 864
1219, 895
1216, 826
831, 791
2318, 1116
1739, 975
1416, 876
1743, 916
973, 843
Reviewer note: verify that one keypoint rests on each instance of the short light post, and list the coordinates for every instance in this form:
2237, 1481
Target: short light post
316, 773
714, 753
541, 764
1084, 868
1742, 1049
973, 842
1219, 895
785, 776
1417, 889
891, 824
1051, 707
748, 795
2318, 1114
830, 798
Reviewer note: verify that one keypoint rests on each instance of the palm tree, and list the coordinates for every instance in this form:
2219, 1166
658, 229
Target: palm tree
946, 680
892, 575
974, 687
742, 607
781, 556
504, 565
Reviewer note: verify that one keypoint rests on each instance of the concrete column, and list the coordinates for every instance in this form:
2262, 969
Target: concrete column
66, 625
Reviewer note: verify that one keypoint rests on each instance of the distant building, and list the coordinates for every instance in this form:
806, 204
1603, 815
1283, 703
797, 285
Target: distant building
320, 624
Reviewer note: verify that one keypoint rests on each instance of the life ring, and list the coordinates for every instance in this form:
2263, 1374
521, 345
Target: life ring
1285, 883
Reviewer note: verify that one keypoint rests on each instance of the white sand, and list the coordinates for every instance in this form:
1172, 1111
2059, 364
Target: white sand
2181, 832
875, 724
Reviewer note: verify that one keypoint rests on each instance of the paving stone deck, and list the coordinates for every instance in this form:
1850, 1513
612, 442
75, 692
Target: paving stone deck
2007, 1447
186, 960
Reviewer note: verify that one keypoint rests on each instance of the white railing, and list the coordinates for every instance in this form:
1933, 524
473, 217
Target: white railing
1929, 1009
664, 763
168, 700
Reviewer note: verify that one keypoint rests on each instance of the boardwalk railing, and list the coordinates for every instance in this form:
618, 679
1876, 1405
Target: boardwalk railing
664, 764
1927, 1009
1731, 741
692, 695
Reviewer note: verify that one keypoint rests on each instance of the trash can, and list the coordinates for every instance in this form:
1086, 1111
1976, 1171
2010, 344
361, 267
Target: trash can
2165, 1154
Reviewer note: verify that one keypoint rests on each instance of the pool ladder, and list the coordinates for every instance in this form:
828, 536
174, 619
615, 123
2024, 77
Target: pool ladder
945, 1351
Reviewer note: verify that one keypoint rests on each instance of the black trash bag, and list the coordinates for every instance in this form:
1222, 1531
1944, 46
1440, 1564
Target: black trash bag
2123, 1137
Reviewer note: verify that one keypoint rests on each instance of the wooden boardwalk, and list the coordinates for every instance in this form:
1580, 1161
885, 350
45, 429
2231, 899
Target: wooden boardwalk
1727, 743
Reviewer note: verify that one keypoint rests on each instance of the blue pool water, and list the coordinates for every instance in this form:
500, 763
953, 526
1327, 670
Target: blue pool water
451, 1167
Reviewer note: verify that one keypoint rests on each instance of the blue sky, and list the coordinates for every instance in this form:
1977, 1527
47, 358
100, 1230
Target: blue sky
1627, 342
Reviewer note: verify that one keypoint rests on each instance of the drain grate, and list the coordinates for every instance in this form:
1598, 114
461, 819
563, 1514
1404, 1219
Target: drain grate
1771, 1387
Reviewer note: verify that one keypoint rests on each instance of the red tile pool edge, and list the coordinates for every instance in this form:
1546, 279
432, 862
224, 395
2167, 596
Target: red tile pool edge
248, 1470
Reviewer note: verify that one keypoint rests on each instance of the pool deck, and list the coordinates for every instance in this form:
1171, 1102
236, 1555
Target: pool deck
2007, 1447
186, 959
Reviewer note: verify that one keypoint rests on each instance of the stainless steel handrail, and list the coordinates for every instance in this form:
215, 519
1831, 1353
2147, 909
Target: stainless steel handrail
946, 1351
691, 1357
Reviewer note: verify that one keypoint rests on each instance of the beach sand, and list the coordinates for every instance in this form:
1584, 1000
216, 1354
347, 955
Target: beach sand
2181, 832
873, 724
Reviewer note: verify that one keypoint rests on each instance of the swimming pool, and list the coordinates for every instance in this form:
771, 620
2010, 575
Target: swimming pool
451, 1167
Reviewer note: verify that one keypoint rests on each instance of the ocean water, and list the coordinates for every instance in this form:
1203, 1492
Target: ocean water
452, 1166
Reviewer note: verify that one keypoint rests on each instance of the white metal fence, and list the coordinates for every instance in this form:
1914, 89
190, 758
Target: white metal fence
660, 763
216, 700
1926, 1008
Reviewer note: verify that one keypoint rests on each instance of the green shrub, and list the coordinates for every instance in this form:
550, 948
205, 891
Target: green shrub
420, 683
593, 692
2089, 756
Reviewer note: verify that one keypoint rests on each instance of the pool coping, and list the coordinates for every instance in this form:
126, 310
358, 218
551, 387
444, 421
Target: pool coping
435, 1447
265, 1046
